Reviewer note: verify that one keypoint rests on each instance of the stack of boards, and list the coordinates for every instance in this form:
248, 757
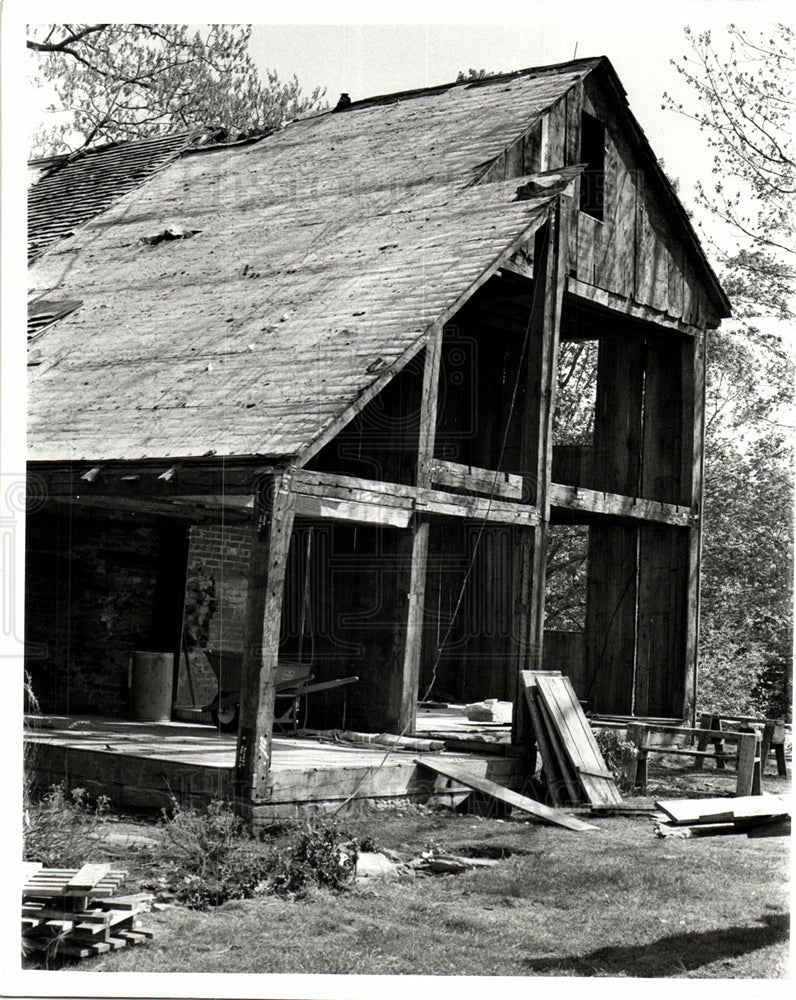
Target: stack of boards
574, 768
72, 912
754, 815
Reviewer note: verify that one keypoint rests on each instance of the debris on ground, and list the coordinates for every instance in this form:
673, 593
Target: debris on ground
753, 815
490, 710
73, 913
434, 861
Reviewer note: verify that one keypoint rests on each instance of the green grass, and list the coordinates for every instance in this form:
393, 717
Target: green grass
617, 902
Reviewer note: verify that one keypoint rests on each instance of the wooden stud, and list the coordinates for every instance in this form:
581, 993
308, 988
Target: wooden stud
693, 477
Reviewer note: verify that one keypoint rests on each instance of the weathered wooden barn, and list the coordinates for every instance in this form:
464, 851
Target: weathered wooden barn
309, 380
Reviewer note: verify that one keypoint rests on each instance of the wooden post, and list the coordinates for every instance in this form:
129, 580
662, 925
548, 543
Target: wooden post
413, 627
705, 722
778, 742
765, 746
748, 751
634, 764
550, 271
270, 543
693, 478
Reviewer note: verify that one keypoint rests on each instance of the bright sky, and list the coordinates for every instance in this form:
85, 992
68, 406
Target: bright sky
367, 59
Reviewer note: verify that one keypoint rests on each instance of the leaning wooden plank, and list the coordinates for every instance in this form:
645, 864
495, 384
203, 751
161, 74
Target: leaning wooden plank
559, 697
552, 769
575, 795
505, 795
725, 810
87, 877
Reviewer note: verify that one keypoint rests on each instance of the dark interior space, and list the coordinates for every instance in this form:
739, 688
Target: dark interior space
381, 440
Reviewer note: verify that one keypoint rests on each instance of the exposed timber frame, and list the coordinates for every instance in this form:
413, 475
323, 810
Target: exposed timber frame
550, 255
270, 542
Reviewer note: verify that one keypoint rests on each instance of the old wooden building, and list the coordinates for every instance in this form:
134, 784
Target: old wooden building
314, 374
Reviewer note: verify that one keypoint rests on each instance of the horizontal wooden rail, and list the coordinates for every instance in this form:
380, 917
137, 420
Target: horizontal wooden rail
469, 477
597, 502
324, 494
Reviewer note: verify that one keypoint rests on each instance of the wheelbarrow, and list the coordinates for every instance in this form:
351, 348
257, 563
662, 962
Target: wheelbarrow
292, 684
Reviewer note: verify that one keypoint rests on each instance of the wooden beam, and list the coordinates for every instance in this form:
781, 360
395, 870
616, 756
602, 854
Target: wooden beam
351, 510
694, 449
428, 406
183, 510
469, 477
536, 452
412, 637
513, 799
597, 502
154, 479
269, 550
602, 298
621, 304
390, 498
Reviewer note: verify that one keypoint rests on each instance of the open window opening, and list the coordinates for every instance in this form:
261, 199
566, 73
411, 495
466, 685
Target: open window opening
592, 180
576, 393
566, 581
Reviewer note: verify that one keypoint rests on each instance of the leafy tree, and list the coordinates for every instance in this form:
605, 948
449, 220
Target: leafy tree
744, 101
475, 74
124, 81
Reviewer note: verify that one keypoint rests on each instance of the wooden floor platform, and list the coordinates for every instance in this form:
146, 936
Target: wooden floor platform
144, 764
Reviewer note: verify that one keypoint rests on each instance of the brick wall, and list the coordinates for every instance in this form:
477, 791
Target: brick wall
222, 553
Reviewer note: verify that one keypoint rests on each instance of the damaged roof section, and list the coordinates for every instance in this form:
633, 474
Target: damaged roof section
319, 258
325, 252
69, 190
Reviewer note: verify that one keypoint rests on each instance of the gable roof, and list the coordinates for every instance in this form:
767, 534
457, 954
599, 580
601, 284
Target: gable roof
311, 266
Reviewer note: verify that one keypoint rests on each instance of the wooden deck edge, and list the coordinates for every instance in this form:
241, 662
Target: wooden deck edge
149, 783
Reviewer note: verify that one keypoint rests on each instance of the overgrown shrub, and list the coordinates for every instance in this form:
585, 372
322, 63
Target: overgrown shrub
314, 858
61, 828
217, 859
613, 748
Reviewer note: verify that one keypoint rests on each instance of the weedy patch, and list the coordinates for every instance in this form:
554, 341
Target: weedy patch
613, 748
217, 859
59, 825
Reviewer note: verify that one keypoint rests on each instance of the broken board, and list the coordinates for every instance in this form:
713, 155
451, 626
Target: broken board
505, 795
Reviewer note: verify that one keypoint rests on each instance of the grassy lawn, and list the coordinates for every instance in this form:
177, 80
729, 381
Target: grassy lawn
615, 902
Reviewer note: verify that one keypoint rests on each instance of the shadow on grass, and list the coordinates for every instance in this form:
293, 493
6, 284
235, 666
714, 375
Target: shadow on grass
671, 955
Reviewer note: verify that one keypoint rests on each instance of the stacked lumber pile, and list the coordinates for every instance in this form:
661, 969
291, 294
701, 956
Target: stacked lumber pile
70, 912
754, 815
574, 768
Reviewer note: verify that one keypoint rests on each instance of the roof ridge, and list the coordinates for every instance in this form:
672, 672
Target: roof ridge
590, 62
